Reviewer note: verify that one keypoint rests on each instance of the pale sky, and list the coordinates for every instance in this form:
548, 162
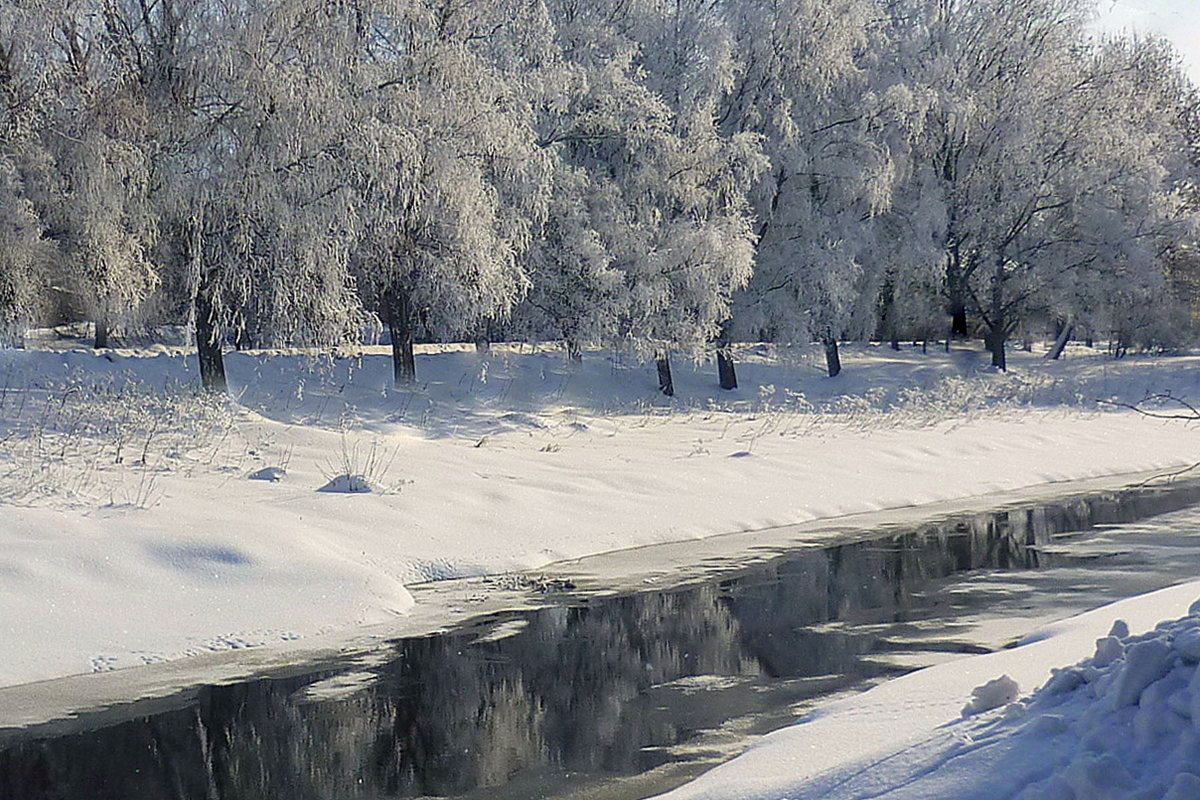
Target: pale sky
1178, 20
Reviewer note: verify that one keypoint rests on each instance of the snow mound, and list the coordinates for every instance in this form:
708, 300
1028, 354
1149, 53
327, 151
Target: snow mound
1126, 721
993, 694
347, 483
272, 474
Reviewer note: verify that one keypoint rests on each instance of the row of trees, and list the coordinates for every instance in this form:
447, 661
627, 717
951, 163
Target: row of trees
663, 173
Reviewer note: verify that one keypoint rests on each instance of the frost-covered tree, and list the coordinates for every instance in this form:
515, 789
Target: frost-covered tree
1129, 208
808, 88
25, 81
447, 178
255, 213
649, 231
1050, 175
98, 135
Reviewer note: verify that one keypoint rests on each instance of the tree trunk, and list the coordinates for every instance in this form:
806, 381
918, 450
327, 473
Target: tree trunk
955, 291
102, 332
994, 340
958, 322
208, 340
887, 328
398, 310
833, 361
726, 373
574, 352
1060, 343
997, 320
665, 384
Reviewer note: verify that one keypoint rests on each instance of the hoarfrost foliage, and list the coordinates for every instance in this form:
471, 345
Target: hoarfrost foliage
659, 234
449, 182
23, 256
634, 172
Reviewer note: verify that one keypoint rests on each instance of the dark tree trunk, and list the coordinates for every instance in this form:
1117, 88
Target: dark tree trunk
997, 320
833, 361
888, 329
102, 332
726, 372
995, 340
398, 310
665, 384
1060, 343
956, 294
958, 322
574, 352
208, 340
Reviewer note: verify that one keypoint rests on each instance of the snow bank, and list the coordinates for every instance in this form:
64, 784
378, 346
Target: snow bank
131, 532
1123, 724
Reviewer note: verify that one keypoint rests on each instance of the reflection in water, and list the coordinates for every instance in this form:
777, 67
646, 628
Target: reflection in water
572, 694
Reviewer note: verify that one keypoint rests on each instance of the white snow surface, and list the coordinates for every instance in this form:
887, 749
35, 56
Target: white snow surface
131, 532
1121, 725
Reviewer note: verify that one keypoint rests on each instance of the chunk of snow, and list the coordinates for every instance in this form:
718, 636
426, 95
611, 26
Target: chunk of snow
1185, 787
993, 694
1108, 650
1145, 663
348, 484
1187, 644
1101, 777
272, 474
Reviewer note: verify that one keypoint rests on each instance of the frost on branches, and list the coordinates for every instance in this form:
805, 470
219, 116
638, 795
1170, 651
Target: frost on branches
654, 176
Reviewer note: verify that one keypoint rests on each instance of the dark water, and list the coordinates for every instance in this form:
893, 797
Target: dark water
619, 696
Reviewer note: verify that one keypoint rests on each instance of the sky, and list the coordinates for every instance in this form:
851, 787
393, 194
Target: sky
1178, 20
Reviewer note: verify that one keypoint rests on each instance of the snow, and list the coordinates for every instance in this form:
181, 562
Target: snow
132, 533
1122, 723
993, 694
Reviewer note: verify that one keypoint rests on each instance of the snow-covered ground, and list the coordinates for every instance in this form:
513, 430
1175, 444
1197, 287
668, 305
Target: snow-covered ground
133, 530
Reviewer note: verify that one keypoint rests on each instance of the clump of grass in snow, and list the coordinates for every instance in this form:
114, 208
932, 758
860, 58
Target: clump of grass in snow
355, 469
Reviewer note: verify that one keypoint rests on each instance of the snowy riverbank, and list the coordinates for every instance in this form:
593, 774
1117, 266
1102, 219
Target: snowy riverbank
132, 534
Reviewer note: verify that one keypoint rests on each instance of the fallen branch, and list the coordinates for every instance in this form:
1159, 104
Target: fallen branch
1188, 411
1167, 476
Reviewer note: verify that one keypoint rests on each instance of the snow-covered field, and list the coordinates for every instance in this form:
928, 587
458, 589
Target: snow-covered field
142, 522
